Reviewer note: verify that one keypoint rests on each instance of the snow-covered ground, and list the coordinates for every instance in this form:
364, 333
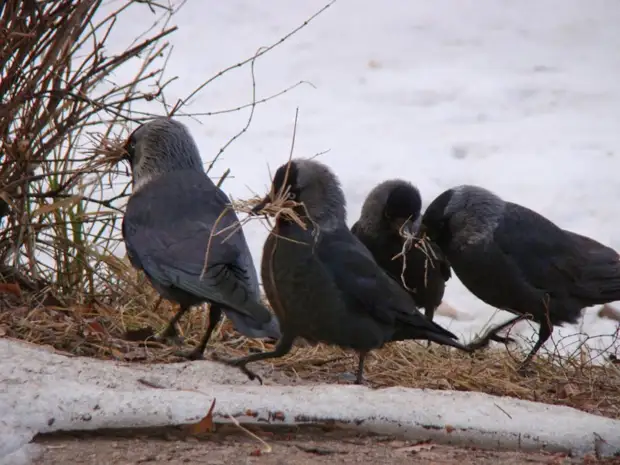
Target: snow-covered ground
519, 97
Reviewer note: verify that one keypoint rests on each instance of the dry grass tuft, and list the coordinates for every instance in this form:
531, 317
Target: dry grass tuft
409, 364
100, 331
421, 243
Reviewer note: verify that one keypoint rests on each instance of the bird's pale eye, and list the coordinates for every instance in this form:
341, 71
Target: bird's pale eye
292, 196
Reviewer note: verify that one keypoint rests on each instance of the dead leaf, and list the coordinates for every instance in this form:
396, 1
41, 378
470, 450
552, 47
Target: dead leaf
94, 327
10, 288
278, 416
256, 453
450, 428
64, 203
205, 425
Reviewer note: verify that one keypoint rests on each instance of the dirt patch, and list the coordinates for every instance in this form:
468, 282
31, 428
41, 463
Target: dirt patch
300, 446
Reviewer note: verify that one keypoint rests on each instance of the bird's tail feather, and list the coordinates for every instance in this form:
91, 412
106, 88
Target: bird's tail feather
433, 333
250, 327
250, 317
446, 341
601, 283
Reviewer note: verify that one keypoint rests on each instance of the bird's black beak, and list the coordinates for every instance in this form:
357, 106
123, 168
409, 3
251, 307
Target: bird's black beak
256, 210
126, 156
408, 226
422, 231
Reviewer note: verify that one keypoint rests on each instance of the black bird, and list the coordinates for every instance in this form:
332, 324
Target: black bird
390, 207
517, 260
323, 284
167, 228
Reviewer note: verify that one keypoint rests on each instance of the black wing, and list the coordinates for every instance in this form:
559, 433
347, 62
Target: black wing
547, 257
365, 286
167, 229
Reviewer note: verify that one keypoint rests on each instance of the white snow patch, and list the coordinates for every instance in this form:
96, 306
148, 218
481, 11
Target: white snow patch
43, 392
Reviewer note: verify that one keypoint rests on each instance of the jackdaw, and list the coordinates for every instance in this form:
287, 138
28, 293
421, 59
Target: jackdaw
390, 207
323, 283
517, 260
167, 230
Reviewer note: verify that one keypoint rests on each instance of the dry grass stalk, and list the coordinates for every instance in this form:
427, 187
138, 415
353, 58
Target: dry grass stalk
421, 243
60, 195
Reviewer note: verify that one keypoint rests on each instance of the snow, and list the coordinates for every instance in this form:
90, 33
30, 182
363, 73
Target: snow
519, 97
46, 392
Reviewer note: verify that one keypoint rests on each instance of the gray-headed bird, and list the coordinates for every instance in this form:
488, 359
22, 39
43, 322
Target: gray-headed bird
390, 207
517, 260
170, 223
321, 281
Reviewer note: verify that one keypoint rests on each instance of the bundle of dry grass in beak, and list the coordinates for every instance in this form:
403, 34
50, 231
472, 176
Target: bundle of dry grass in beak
275, 205
421, 242
109, 150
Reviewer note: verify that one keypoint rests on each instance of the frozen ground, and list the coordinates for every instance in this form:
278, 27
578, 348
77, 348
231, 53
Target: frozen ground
42, 391
520, 97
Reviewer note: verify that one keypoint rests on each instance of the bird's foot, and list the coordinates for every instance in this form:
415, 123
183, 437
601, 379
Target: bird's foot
195, 354
241, 364
354, 379
477, 345
484, 342
502, 339
250, 374
525, 369
170, 337
175, 340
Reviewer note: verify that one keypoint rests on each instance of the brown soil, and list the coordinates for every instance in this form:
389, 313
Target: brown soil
309, 445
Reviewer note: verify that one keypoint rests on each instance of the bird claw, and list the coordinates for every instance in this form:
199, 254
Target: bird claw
476, 345
251, 375
354, 379
170, 337
484, 342
241, 365
526, 371
503, 339
171, 340
193, 355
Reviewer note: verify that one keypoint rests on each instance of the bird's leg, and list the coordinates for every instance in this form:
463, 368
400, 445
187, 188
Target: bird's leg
282, 348
544, 333
491, 335
359, 378
215, 314
170, 334
501, 339
429, 313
